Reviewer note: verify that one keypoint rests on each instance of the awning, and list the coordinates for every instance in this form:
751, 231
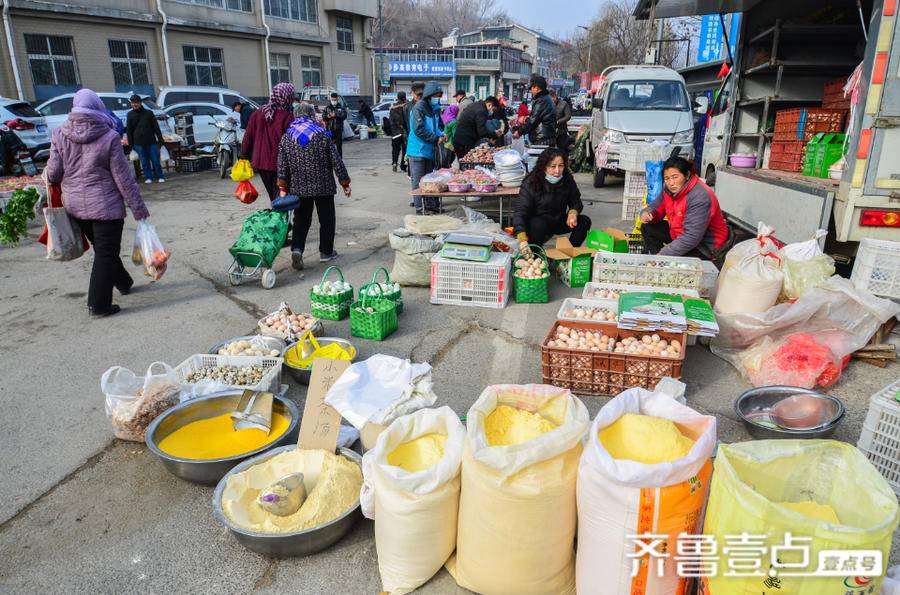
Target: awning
682, 8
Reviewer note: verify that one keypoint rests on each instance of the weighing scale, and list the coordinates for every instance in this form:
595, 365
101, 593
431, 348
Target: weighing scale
464, 247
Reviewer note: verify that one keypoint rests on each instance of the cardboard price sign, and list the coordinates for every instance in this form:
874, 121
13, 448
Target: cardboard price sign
321, 423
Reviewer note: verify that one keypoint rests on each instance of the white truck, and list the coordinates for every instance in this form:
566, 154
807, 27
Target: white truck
640, 106
786, 53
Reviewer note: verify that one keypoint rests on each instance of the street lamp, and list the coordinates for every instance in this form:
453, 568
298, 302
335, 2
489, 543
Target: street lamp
590, 44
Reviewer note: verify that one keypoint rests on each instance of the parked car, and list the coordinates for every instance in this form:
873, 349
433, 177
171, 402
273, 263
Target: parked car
169, 96
379, 110
205, 130
28, 124
56, 110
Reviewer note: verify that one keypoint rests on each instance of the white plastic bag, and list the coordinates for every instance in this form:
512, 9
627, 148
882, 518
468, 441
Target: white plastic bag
148, 251
751, 279
63, 235
415, 513
611, 493
381, 389
163, 155
805, 266
133, 156
132, 401
517, 513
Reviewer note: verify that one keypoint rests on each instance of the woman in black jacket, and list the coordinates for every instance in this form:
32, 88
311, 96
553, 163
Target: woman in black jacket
549, 203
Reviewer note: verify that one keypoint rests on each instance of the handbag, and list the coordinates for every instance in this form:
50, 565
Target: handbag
54, 201
285, 203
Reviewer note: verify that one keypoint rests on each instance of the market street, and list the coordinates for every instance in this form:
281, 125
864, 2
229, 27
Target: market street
83, 512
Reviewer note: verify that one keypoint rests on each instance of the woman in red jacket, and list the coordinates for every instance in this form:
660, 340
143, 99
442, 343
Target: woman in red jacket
695, 226
264, 131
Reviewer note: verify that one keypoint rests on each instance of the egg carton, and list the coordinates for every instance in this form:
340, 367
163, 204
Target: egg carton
635, 184
632, 207
680, 272
271, 380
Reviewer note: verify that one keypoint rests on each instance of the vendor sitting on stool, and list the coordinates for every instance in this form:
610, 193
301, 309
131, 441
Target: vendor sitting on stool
549, 203
696, 226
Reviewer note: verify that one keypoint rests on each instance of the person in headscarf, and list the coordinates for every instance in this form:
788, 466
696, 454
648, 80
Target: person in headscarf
307, 156
264, 131
97, 180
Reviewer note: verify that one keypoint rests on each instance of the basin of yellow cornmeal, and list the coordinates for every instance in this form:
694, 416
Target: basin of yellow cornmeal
216, 438
645, 439
506, 426
418, 454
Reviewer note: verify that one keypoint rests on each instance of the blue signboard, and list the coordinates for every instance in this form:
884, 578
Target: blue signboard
422, 69
710, 48
733, 31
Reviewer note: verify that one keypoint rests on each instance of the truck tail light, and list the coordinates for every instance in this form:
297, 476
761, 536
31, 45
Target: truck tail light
880, 219
19, 124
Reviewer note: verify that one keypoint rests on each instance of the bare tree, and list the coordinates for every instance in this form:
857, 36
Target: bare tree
427, 22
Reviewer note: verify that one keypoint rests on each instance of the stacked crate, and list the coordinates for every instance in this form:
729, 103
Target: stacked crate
796, 127
833, 95
633, 199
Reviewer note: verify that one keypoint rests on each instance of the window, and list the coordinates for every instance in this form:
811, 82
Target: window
173, 97
230, 100
280, 68
129, 62
462, 83
482, 81
204, 66
240, 5
647, 95
115, 103
312, 71
24, 110
198, 110
52, 60
344, 27
296, 10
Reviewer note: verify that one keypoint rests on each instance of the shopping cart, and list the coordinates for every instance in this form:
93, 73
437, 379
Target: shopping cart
261, 239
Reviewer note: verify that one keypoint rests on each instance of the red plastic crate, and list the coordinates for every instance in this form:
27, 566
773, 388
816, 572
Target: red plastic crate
834, 86
789, 115
793, 147
795, 166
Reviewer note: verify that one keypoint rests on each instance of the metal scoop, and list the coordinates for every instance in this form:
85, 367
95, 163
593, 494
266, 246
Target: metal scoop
283, 497
797, 412
254, 410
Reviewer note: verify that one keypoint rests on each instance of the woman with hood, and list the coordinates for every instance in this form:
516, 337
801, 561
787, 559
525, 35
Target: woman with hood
87, 160
264, 132
424, 134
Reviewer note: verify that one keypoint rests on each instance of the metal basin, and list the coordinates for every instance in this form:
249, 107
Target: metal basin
302, 375
284, 545
270, 342
766, 397
209, 471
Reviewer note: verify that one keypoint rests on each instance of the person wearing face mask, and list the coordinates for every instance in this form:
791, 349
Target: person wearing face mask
549, 203
334, 115
425, 133
695, 226
472, 125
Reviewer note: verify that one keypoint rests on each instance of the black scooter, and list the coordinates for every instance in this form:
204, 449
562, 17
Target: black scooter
15, 158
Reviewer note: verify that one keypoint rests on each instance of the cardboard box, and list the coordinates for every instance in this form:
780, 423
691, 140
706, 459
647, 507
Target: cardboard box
572, 265
607, 240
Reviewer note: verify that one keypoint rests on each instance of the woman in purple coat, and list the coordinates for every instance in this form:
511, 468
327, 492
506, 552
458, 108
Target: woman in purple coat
97, 180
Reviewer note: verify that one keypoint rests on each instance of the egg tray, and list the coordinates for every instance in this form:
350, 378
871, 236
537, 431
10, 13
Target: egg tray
271, 380
644, 269
603, 373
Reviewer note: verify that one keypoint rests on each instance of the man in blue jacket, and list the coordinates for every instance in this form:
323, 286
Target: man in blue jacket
424, 133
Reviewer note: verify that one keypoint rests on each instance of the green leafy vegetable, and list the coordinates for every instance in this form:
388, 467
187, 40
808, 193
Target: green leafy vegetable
14, 219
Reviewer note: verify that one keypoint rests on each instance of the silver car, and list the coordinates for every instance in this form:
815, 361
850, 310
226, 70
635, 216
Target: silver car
28, 124
56, 110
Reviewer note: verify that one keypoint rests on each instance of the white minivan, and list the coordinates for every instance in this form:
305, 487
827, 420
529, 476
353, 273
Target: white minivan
640, 105
219, 95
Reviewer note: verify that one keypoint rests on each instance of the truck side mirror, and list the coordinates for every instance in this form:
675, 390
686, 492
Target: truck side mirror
701, 104
597, 102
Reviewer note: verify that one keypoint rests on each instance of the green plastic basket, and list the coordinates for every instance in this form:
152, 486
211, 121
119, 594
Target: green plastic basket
394, 296
376, 325
330, 307
533, 291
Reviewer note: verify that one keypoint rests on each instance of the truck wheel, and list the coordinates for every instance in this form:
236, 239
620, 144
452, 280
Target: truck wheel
710, 177
599, 177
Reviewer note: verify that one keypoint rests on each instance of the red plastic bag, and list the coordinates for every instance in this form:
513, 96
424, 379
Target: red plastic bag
797, 360
245, 192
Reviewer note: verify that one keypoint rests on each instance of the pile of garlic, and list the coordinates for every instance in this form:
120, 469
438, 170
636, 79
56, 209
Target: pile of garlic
598, 313
652, 345
332, 288
530, 267
571, 338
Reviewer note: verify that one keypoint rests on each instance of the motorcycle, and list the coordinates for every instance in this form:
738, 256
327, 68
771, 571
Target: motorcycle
14, 155
226, 143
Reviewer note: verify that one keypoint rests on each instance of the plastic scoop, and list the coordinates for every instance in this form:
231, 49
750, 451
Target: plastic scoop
797, 412
283, 497
254, 411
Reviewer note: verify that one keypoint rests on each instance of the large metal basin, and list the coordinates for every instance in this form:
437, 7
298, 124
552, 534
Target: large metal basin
766, 397
302, 375
210, 471
285, 545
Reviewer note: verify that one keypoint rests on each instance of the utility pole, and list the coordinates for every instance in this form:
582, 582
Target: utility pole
590, 33
649, 57
380, 52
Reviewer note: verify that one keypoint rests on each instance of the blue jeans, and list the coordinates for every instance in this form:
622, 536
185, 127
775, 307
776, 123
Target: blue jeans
150, 164
418, 167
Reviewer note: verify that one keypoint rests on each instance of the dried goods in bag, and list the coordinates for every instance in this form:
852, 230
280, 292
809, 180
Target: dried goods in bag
517, 513
805, 266
751, 277
415, 509
132, 401
613, 488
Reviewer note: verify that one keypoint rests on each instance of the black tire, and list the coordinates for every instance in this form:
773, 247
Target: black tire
710, 177
224, 163
599, 177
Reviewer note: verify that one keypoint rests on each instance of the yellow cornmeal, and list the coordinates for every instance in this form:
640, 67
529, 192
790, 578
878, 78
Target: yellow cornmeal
813, 510
507, 425
645, 439
419, 454
332, 483
215, 438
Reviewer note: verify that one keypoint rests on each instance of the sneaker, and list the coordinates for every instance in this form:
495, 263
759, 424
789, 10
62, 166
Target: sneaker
412, 204
328, 257
148, 181
297, 260
160, 181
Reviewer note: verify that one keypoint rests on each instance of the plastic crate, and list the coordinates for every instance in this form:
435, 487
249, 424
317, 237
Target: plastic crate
569, 303
794, 166
605, 373
635, 243
633, 157
631, 207
271, 380
635, 184
466, 283
877, 267
880, 436
209, 161
590, 288
647, 270
794, 147
709, 279
191, 164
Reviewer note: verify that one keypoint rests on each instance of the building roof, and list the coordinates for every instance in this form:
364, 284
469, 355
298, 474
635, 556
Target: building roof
537, 34
682, 8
